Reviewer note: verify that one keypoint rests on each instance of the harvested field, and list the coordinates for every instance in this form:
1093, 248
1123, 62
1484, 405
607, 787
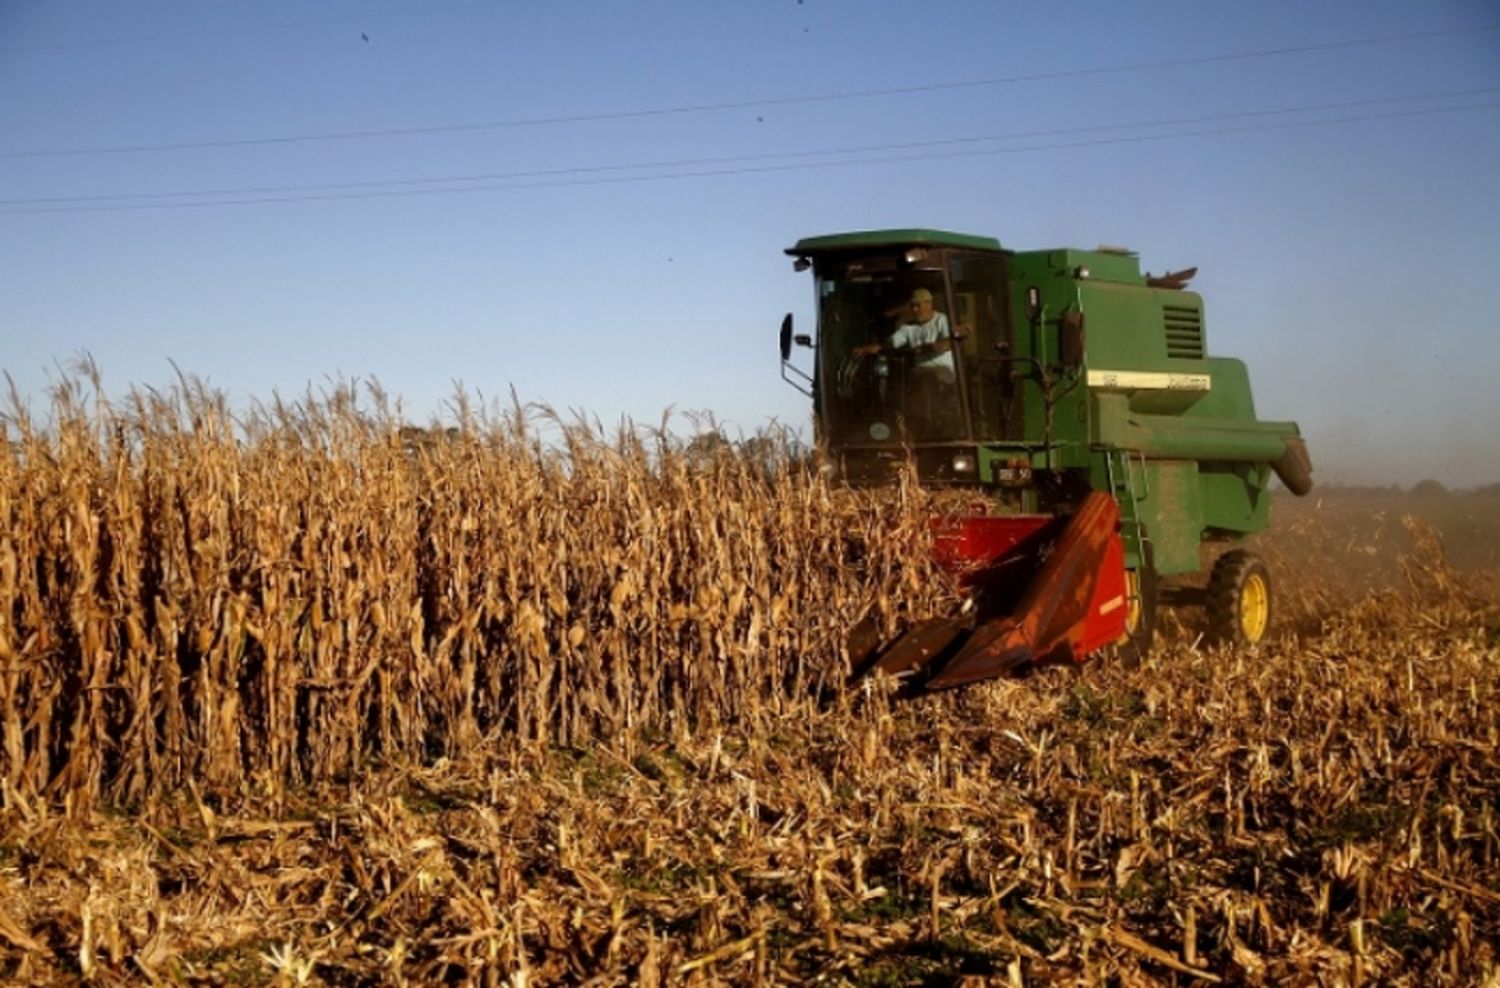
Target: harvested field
307, 698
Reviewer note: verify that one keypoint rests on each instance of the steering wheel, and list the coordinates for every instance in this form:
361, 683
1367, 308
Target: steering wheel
866, 373
854, 368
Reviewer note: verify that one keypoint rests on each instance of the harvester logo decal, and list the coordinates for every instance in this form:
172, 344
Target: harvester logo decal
1148, 381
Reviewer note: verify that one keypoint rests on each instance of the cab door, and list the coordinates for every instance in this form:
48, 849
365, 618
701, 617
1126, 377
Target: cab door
985, 341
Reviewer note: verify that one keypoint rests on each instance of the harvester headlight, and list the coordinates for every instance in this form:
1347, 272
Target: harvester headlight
1082, 273
963, 463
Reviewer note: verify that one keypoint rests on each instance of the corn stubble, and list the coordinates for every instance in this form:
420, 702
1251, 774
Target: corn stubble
306, 697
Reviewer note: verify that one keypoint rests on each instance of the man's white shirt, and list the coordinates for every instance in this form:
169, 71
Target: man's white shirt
915, 334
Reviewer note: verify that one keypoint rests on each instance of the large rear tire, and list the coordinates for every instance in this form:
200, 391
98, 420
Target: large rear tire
1239, 599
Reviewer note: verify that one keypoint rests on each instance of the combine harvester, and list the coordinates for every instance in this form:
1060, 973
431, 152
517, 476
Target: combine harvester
1077, 391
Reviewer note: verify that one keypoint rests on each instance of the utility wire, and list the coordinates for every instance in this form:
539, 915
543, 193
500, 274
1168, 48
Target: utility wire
743, 158
662, 111
364, 17
751, 169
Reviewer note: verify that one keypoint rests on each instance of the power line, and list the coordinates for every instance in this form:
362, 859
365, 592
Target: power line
661, 111
364, 17
739, 159
748, 169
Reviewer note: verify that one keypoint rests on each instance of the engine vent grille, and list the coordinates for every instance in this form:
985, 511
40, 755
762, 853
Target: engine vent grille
1184, 326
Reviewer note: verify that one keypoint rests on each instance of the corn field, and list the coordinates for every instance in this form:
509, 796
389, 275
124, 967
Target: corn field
187, 597
300, 695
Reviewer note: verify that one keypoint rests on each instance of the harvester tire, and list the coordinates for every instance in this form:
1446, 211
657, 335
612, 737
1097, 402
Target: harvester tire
1140, 620
1239, 599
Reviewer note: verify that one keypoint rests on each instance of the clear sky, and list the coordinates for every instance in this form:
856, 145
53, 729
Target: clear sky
588, 201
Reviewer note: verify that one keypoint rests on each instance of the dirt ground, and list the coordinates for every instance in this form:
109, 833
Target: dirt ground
1351, 540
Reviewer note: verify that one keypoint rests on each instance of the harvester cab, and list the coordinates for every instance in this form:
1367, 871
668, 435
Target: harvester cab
1080, 393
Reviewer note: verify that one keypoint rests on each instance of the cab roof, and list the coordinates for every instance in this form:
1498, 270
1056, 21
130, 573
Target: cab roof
890, 238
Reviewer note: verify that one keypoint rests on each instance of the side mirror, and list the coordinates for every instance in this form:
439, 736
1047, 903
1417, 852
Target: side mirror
1033, 304
1071, 338
790, 372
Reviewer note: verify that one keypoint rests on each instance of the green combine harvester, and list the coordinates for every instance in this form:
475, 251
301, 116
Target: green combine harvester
1078, 391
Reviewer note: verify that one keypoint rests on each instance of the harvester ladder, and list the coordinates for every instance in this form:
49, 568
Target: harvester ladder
1125, 490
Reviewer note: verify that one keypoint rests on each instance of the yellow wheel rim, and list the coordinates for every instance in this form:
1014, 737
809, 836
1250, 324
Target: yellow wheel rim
1132, 605
1255, 607
1131, 601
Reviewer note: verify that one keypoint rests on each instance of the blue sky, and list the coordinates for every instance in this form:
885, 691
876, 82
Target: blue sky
597, 194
